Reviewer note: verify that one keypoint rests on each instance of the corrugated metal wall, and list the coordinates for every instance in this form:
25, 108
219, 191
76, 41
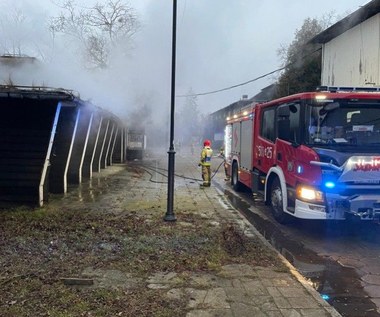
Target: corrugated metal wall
25, 130
48, 141
352, 59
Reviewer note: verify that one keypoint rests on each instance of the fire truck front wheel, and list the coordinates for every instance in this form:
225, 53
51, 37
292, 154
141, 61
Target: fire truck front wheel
277, 203
235, 177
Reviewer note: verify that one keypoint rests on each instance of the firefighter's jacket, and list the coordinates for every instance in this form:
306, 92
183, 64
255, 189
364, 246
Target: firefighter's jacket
206, 155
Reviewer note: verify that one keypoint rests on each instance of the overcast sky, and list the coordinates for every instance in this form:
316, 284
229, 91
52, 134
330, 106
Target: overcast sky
220, 43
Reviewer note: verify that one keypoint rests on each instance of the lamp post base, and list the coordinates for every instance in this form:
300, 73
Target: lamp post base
169, 216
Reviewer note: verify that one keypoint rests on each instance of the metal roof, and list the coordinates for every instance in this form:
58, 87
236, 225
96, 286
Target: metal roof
36, 92
364, 13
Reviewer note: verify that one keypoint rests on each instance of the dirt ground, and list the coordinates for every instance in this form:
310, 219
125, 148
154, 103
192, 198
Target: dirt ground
93, 251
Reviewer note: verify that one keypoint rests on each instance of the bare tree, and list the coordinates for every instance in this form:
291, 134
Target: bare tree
13, 27
99, 28
188, 119
23, 35
116, 18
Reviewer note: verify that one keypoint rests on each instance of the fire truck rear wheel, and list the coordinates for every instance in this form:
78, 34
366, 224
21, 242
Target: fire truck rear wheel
277, 202
235, 178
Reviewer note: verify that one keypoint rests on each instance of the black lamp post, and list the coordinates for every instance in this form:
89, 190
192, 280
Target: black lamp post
170, 216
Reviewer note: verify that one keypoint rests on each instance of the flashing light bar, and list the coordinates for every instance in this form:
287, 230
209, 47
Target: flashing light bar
345, 89
245, 114
364, 164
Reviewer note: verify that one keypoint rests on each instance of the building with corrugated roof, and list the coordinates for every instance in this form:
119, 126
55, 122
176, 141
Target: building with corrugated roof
351, 49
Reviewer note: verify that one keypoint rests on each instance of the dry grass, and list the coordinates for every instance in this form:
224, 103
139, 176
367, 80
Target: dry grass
39, 247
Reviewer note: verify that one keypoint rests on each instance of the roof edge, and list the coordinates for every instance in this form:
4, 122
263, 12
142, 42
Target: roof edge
364, 13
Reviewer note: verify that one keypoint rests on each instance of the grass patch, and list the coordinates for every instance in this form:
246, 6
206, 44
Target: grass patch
40, 246
57, 300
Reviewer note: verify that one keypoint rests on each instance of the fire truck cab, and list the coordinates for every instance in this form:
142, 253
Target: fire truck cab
313, 155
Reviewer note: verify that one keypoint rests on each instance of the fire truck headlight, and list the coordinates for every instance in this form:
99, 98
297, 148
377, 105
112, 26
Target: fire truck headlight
310, 194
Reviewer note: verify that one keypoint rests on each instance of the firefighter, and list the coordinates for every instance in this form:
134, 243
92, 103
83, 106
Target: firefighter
205, 162
222, 155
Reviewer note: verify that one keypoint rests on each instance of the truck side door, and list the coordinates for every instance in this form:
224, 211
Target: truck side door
264, 146
287, 140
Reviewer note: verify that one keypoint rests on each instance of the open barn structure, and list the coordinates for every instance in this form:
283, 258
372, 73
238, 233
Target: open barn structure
50, 138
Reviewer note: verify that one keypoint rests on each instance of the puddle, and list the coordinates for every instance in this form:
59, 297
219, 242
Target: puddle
339, 286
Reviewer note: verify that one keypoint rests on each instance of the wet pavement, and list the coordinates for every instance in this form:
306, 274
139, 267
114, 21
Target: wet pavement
339, 284
340, 259
355, 247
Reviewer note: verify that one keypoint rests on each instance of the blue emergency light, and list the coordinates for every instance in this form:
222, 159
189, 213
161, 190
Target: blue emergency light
329, 184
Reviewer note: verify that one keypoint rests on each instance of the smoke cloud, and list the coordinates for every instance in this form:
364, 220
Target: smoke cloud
219, 43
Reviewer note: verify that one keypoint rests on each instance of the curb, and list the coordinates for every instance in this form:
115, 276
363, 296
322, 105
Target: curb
330, 309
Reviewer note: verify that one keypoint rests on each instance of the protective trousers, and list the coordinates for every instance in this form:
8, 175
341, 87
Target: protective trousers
206, 175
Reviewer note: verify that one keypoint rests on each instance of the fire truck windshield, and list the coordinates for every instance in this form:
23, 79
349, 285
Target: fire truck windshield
343, 123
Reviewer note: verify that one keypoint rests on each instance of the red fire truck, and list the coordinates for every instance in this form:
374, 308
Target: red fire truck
313, 155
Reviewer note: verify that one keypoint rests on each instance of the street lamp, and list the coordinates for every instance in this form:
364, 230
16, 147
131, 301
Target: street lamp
170, 216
